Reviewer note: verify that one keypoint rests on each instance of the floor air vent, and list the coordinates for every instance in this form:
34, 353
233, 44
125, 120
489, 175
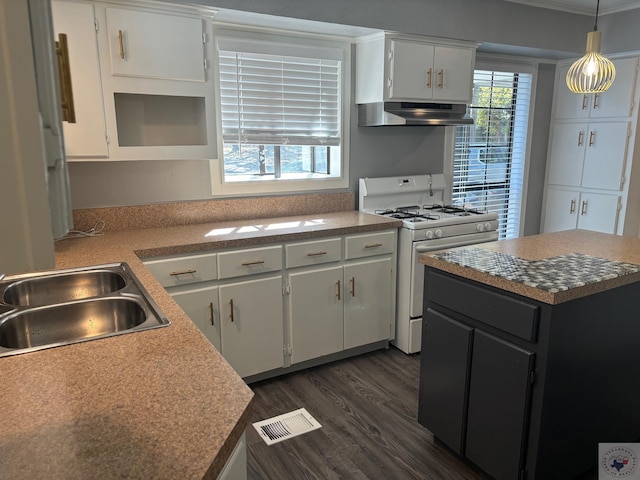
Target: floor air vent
283, 427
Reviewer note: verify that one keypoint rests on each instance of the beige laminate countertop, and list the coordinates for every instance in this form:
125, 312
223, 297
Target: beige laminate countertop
543, 246
157, 404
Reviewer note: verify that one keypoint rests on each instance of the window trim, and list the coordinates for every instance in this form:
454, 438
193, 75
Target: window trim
505, 64
283, 185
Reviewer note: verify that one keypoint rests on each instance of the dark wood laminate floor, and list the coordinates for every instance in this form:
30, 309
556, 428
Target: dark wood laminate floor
368, 407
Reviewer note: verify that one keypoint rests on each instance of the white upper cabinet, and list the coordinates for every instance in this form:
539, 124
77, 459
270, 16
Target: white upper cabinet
615, 102
87, 136
155, 45
393, 67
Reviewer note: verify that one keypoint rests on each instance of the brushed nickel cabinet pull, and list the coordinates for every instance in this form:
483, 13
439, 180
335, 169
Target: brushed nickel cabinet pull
256, 262
580, 138
592, 135
572, 207
338, 290
211, 312
231, 306
64, 77
353, 286
596, 97
429, 79
184, 272
585, 101
441, 78
316, 254
121, 42
373, 245
584, 207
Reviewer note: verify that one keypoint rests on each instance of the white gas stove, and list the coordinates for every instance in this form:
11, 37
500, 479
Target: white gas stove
428, 224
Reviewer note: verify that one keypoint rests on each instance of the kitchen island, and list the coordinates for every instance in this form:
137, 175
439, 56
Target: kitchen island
161, 404
530, 351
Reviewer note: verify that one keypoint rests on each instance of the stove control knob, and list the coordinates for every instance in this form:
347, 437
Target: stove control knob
480, 227
487, 226
438, 233
429, 234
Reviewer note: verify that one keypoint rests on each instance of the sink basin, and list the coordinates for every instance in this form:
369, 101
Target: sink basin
71, 322
63, 287
60, 307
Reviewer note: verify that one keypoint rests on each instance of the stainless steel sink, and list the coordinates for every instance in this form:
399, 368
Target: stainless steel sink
63, 287
60, 307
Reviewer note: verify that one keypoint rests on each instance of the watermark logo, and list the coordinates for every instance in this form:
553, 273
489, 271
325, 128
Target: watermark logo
619, 460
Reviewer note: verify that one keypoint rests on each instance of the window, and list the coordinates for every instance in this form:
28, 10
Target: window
489, 160
282, 115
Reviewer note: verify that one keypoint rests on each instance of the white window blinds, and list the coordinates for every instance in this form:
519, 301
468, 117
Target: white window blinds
489, 162
270, 96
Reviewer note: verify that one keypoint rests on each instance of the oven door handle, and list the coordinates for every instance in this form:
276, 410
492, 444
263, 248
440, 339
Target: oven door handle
470, 240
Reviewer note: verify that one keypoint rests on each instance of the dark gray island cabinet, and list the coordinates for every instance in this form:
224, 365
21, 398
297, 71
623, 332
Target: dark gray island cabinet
526, 389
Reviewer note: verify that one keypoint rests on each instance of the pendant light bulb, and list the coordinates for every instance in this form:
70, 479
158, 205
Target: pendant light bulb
593, 73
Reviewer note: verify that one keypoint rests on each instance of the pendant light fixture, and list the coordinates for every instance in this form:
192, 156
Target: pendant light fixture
592, 73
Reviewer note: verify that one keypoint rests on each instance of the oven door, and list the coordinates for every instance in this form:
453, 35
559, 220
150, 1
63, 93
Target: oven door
417, 269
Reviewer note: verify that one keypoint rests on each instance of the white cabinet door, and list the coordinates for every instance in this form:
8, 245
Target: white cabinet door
251, 325
567, 153
598, 212
453, 74
201, 305
316, 313
605, 153
561, 210
155, 45
87, 137
569, 104
368, 301
616, 102
411, 71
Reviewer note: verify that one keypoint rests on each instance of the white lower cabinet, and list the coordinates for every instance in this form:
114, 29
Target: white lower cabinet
251, 325
236, 466
340, 294
569, 209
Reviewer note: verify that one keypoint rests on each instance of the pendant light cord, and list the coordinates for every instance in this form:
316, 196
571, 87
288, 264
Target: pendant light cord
595, 25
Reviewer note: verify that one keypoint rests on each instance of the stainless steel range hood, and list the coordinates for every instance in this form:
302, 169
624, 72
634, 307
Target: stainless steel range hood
411, 113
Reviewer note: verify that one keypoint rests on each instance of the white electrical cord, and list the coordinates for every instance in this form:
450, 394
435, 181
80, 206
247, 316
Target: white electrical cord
97, 230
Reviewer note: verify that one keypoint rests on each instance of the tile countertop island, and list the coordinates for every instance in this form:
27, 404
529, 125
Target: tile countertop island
159, 404
551, 268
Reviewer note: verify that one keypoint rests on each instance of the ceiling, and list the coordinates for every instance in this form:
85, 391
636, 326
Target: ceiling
586, 7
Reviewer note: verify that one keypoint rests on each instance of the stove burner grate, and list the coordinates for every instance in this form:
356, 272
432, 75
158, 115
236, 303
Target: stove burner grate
453, 210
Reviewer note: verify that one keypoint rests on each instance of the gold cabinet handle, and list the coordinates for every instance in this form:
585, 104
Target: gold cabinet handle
429, 79
592, 135
184, 272
338, 290
580, 138
585, 101
441, 78
121, 42
584, 208
211, 312
373, 245
572, 207
353, 286
256, 262
231, 307
596, 97
316, 254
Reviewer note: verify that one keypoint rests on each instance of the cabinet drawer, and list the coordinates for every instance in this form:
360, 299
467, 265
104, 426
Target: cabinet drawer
184, 269
313, 253
367, 245
499, 311
250, 261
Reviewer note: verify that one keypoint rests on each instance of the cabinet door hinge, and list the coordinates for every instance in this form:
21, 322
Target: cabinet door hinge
622, 180
107, 137
287, 350
619, 207
204, 37
390, 54
286, 289
96, 24
206, 65
532, 377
